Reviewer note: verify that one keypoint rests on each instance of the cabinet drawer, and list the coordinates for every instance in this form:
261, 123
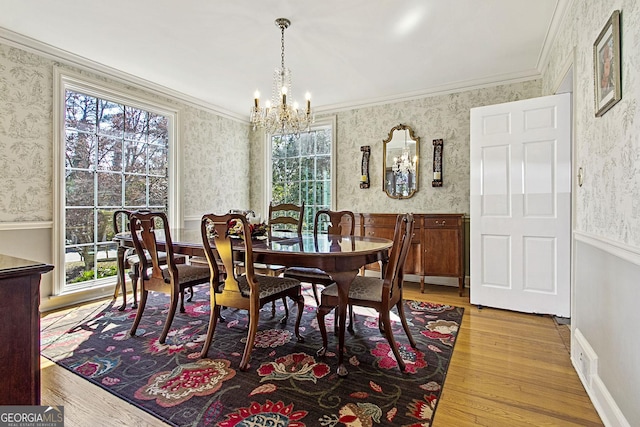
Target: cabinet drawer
436, 222
384, 232
379, 220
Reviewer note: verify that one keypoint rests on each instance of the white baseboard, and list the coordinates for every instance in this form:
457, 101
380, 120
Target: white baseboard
55, 302
585, 362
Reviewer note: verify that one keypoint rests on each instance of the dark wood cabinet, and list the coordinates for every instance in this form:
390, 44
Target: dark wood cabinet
20, 330
437, 248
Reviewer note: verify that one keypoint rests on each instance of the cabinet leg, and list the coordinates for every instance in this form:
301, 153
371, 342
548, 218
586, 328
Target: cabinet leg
422, 284
461, 285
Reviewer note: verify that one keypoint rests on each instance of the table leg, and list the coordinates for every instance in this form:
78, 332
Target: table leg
343, 280
122, 284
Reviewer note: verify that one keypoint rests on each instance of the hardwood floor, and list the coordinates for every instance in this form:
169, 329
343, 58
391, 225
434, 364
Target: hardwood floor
508, 369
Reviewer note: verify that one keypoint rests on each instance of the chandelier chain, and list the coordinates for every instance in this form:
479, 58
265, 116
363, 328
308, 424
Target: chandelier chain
282, 27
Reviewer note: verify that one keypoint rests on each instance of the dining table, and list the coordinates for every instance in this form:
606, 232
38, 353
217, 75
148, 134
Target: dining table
341, 257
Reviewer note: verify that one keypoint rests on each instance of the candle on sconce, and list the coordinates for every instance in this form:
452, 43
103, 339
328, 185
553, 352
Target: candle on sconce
363, 178
307, 96
284, 95
256, 99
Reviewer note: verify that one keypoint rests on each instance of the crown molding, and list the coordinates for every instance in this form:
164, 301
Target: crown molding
28, 44
457, 87
559, 14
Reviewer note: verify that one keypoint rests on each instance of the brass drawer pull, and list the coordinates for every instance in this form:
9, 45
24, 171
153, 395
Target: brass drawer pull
441, 223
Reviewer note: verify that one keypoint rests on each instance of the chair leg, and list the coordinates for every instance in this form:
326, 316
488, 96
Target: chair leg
251, 335
321, 312
121, 279
134, 287
136, 322
315, 294
283, 321
405, 325
182, 310
350, 325
190, 294
286, 310
213, 322
299, 299
167, 323
386, 321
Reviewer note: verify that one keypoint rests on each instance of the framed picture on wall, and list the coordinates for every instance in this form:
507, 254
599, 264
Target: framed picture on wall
606, 63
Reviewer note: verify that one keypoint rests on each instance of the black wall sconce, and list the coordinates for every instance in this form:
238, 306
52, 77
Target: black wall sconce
364, 178
437, 163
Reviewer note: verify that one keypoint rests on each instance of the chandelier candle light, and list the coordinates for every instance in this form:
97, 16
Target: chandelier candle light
277, 116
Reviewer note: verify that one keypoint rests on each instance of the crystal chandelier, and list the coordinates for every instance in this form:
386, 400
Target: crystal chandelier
404, 165
278, 116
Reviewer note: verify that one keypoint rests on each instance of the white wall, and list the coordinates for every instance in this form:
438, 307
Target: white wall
606, 285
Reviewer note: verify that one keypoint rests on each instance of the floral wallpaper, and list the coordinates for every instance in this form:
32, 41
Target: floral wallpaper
209, 144
608, 147
439, 117
26, 151
215, 167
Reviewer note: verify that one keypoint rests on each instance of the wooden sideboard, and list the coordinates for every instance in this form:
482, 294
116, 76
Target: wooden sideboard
20, 330
437, 248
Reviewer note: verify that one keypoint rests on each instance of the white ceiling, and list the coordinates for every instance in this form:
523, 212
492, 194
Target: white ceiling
347, 53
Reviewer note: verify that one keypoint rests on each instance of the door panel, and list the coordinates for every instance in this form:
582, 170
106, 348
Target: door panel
521, 205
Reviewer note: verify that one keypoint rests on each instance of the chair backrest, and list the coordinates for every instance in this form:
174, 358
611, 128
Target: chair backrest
334, 222
286, 216
122, 219
146, 244
219, 249
394, 273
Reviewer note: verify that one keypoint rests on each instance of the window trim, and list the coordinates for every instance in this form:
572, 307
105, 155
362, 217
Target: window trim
64, 80
324, 122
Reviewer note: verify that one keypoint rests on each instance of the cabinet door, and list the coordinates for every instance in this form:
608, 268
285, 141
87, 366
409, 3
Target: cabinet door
442, 251
444, 245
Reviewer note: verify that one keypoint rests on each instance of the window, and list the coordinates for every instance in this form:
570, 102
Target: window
116, 155
303, 170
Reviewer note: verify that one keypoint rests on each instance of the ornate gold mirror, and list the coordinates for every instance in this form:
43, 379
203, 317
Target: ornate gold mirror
400, 157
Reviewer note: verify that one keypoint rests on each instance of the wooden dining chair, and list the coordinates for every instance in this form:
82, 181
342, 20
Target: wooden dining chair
333, 221
379, 294
282, 217
121, 223
171, 278
286, 217
248, 291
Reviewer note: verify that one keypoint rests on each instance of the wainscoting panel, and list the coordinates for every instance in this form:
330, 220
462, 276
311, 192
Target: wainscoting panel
30, 240
604, 325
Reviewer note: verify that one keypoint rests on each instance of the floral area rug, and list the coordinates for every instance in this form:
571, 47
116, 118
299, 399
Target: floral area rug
287, 384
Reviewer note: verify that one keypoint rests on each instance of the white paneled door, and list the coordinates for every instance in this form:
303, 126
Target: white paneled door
521, 205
